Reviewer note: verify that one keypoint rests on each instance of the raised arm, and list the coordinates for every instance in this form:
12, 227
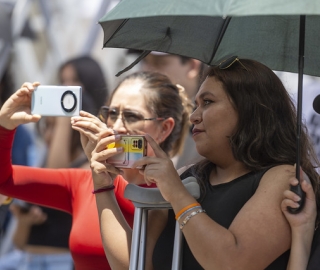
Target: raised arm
28, 183
115, 231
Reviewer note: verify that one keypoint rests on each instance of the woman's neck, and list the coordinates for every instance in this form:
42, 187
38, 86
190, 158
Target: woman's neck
221, 175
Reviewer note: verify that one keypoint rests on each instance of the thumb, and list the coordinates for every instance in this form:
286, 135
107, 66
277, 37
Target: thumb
32, 118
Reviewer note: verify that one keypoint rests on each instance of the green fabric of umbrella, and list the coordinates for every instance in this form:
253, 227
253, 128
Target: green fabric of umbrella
193, 28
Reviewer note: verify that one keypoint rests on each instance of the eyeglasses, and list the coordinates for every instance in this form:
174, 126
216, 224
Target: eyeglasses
132, 120
229, 62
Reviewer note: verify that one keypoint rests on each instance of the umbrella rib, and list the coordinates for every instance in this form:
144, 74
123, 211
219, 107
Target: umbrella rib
221, 34
116, 31
141, 56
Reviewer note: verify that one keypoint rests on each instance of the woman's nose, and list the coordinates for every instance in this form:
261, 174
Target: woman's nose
195, 117
119, 126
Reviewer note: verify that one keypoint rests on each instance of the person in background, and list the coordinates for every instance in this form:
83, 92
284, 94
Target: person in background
245, 127
181, 70
142, 103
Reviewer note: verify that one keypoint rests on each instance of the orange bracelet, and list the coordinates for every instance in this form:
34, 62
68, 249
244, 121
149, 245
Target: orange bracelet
186, 208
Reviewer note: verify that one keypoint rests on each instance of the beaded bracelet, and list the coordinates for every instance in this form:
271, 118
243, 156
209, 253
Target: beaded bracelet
185, 209
103, 189
188, 210
185, 221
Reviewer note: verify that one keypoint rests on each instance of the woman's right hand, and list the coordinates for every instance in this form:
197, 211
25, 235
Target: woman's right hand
17, 109
104, 173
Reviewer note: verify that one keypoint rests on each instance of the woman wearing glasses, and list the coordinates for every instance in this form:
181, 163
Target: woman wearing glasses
71, 190
245, 127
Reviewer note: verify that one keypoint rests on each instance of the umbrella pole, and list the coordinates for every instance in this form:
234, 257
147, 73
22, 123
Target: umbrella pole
297, 189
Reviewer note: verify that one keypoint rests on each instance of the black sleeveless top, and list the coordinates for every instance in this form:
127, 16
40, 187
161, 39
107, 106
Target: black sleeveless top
222, 203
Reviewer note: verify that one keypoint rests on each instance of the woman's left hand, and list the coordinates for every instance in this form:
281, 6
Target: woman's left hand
160, 170
89, 127
306, 218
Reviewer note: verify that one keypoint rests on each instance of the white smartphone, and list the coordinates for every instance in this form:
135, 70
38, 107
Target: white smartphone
52, 100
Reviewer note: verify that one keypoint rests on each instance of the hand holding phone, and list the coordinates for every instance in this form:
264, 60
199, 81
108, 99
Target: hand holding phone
134, 148
51, 100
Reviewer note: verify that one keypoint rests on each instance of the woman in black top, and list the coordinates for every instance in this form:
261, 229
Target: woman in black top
245, 126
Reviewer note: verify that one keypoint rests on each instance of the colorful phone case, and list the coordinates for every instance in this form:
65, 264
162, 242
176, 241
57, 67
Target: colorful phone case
134, 148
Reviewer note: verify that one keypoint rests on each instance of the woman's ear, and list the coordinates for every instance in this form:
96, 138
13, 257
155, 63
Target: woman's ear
167, 126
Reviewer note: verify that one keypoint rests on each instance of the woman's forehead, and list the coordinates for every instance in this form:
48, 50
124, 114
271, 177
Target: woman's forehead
129, 96
211, 85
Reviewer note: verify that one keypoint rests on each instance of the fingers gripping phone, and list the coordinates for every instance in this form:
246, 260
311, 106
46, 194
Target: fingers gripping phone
134, 148
52, 100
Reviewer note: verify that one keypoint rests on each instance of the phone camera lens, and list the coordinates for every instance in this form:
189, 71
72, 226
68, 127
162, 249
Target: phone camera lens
140, 144
68, 101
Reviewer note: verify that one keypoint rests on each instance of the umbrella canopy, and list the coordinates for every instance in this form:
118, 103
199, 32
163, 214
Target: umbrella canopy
196, 29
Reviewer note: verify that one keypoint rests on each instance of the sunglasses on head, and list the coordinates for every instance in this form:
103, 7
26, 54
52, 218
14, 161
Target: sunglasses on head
229, 62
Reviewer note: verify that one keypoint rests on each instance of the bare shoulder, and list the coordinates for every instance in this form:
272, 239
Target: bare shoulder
277, 177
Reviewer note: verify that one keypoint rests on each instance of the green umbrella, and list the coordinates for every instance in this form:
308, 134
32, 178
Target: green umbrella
282, 34
196, 29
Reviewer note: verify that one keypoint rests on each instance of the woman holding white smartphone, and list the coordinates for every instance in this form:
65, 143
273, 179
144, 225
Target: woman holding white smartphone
72, 190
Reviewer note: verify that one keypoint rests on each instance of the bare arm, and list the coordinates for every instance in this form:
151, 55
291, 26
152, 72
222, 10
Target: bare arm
115, 231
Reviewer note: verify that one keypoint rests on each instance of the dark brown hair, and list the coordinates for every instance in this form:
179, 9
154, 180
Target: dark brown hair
165, 100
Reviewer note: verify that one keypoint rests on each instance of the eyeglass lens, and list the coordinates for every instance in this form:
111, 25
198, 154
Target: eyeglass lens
128, 116
131, 119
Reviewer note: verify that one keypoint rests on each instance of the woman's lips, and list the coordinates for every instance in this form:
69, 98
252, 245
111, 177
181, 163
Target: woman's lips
196, 131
